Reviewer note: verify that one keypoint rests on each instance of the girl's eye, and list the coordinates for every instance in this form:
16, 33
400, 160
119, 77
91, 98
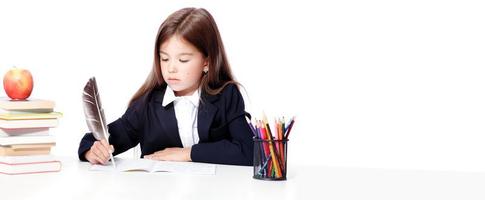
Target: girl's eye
183, 61
164, 59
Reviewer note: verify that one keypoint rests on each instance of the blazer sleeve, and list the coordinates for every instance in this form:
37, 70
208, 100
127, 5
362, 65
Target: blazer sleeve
237, 149
124, 132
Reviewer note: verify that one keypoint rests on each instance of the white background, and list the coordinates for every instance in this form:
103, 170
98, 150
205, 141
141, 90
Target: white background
381, 84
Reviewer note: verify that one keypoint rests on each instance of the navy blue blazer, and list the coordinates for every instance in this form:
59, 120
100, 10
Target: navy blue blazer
224, 135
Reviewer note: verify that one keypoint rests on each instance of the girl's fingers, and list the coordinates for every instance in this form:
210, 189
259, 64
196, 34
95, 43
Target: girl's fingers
106, 146
101, 153
162, 152
104, 142
100, 150
155, 157
97, 155
93, 158
90, 157
99, 160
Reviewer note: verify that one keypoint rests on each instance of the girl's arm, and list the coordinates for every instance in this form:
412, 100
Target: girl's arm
237, 147
124, 132
235, 151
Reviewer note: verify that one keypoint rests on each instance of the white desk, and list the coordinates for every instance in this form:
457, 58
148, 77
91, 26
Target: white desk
75, 181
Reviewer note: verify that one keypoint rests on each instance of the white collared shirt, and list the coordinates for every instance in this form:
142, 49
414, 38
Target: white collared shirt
186, 110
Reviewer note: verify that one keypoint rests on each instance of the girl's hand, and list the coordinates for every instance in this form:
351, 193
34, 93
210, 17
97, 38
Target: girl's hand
99, 153
171, 154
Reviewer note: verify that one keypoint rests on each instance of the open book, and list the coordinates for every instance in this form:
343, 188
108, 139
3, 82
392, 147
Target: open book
125, 165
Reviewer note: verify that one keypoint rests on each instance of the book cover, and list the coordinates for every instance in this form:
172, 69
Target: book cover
28, 123
6, 141
26, 115
22, 105
26, 111
15, 165
26, 149
5, 132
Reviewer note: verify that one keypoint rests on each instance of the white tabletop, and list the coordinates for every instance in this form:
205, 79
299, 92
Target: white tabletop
75, 181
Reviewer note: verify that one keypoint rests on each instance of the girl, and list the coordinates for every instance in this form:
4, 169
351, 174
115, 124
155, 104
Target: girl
189, 108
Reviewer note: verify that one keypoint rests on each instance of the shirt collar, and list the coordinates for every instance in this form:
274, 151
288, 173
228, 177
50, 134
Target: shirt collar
169, 97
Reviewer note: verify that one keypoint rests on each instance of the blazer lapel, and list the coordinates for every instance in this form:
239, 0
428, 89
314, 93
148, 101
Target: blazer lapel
169, 123
167, 120
206, 114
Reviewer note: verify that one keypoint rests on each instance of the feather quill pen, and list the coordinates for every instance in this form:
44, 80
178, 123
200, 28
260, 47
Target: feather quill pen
94, 112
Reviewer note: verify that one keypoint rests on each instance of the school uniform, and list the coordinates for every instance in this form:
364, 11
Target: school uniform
222, 134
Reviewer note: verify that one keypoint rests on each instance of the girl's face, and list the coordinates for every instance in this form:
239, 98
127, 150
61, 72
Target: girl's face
182, 65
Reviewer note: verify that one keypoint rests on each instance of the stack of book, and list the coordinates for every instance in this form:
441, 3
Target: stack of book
25, 142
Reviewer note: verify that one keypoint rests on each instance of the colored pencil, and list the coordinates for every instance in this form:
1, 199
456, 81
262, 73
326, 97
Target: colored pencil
287, 134
272, 148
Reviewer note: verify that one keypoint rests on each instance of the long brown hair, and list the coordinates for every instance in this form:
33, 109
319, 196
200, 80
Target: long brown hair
197, 26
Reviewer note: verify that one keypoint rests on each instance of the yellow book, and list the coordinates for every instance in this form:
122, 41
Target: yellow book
26, 149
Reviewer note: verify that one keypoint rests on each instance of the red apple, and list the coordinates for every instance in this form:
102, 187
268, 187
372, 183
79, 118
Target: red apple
18, 83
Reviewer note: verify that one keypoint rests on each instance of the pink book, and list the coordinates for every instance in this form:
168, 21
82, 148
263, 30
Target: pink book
15, 165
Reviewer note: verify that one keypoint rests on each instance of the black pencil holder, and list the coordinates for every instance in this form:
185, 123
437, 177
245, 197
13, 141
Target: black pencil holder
269, 159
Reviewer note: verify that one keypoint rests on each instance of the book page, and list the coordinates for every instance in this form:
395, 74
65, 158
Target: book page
185, 167
124, 165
